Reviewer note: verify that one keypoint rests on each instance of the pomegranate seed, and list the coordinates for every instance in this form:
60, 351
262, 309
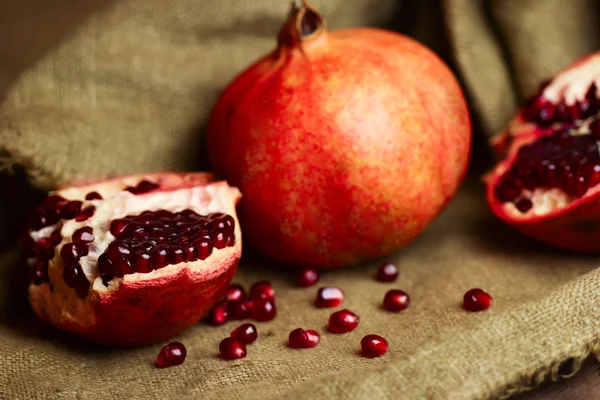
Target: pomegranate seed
262, 290
373, 346
93, 196
106, 268
308, 277
69, 254
83, 236
343, 321
118, 226
595, 129
329, 297
240, 309
142, 187
301, 339
263, 310
219, 239
219, 314
204, 247
85, 214
39, 272
387, 272
232, 349
477, 300
245, 333
234, 292
172, 354
74, 277
123, 267
70, 209
141, 262
523, 204
396, 300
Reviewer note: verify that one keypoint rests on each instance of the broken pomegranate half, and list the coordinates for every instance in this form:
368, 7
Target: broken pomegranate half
549, 188
566, 101
133, 260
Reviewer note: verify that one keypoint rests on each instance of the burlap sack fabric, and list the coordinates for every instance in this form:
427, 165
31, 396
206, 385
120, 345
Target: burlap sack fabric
125, 86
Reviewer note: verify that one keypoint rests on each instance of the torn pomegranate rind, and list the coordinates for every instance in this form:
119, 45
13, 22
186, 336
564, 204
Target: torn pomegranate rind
151, 257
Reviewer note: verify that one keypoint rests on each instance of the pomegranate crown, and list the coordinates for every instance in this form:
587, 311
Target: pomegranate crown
304, 23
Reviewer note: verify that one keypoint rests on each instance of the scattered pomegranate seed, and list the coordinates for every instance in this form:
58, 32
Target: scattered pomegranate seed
308, 277
387, 272
301, 339
219, 314
477, 300
245, 333
172, 354
373, 346
396, 300
262, 290
93, 196
84, 214
142, 187
232, 349
234, 292
329, 297
263, 310
240, 309
343, 321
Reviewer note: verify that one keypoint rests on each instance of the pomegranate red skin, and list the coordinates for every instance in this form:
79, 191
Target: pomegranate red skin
575, 227
144, 311
345, 144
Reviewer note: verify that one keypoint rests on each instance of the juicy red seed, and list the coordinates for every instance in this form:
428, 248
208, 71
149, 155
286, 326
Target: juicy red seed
263, 310
118, 226
262, 290
343, 321
190, 252
204, 248
69, 210
44, 249
72, 274
523, 204
329, 297
116, 251
106, 268
231, 349
141, 262
93, 196
69, 254
308, 277
595, 129
373, 346
396, 300
240, 309
85, 214
219, 238
55, 238
172, 354
176, 255
234, 292
82, 287
245, 333
219, 314
387, 272
39, 272
301, 339
160, 257
142, 187
123, 267
476, 300
83, 236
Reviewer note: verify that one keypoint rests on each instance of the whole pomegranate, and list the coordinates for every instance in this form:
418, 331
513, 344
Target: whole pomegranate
547, 184
133, 260
345, 144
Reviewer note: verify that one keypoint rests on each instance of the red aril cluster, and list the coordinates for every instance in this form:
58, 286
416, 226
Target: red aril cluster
259, 305
373, 346
55, 208
544, 113
329, 297
155, 239
565, 160
172, 354
303, 339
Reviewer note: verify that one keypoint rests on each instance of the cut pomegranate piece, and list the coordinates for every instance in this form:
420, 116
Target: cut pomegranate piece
566, 101
141, 266
387, 272
477, 300
245, 333
308, 277
343, 321
301, 339
396, 300
548, 189
262, 290
329, 297
232, 349
373, 346
172, 354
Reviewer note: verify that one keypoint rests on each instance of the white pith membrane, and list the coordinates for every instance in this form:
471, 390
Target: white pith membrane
61, 304
572, 84
546, 200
